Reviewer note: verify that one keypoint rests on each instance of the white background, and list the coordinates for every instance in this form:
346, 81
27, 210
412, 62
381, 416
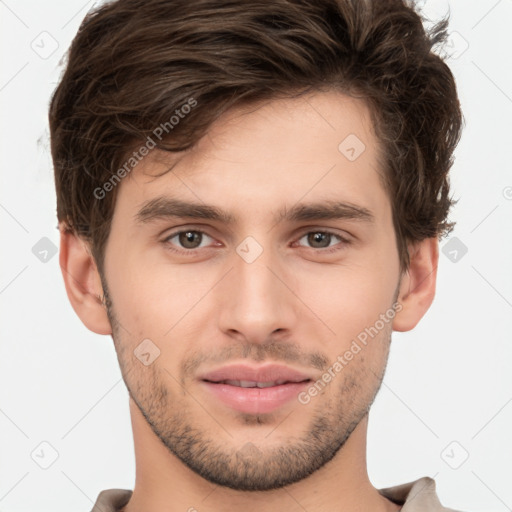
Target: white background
448, 380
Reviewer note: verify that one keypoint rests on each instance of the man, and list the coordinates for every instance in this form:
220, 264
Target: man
250, 197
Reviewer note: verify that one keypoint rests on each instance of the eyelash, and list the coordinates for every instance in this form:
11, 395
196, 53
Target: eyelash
167, 243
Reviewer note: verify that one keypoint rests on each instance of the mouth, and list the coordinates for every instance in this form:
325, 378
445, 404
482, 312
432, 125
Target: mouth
255, 384
254, 390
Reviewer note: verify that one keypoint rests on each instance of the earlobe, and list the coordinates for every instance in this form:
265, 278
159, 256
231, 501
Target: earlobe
82, 282
418, 286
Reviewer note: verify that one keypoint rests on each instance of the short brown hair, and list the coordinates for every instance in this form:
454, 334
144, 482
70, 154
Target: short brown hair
134, 62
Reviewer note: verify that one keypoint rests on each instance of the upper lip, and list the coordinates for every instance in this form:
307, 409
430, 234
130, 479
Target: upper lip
267, 373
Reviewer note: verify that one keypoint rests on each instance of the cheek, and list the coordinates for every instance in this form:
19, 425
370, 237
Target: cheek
348, 298
136, 296
149, 300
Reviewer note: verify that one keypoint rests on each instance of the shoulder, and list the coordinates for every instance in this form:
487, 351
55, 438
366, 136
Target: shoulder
416, 496
112, 500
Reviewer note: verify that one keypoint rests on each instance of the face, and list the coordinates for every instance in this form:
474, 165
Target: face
297, 268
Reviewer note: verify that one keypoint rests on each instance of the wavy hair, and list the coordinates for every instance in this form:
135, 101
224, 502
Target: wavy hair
134, 62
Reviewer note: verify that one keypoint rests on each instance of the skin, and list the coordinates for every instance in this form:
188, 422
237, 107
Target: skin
295, 305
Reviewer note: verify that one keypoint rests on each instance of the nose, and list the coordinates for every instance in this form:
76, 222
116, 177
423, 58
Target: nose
257, 299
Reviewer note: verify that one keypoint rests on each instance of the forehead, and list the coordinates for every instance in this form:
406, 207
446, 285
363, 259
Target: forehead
276, 152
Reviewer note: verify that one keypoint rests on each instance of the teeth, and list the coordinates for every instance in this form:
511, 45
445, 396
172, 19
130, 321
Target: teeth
247, 384
266, 384
253, 384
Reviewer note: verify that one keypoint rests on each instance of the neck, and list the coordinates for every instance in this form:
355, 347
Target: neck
164, 483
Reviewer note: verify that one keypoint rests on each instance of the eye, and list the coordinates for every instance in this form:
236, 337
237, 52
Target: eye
322, 240
186, 240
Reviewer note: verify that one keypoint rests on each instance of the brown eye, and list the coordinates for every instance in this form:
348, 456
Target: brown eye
186, 240
323, 240
190, 239
319, 239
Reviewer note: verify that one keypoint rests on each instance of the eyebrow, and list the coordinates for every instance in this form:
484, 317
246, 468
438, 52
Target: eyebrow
165, 208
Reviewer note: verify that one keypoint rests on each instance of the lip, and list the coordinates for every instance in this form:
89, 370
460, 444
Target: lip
255, 400
267, 373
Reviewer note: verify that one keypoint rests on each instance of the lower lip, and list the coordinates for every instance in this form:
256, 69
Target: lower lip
256, 400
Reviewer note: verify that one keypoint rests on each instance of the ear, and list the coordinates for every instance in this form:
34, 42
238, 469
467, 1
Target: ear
82, 281
418, 285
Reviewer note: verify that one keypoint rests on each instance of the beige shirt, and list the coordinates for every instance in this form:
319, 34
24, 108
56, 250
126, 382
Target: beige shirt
417, 496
